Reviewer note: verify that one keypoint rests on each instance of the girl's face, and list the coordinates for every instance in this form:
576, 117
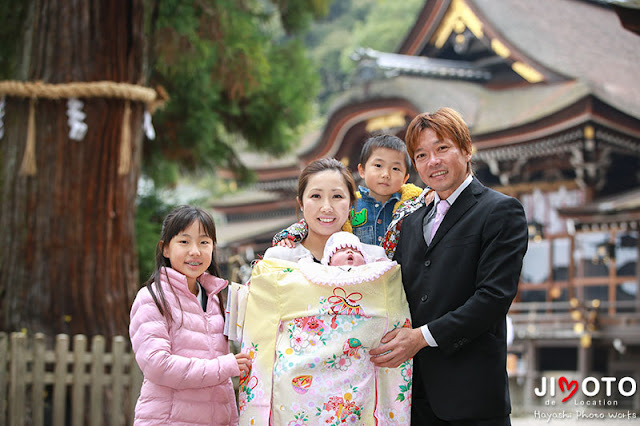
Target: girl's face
325, 203
190, 252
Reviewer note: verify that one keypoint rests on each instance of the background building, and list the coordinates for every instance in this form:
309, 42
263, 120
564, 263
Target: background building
551, 93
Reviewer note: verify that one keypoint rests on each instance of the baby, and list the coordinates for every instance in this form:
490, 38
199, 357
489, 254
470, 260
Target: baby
345, 249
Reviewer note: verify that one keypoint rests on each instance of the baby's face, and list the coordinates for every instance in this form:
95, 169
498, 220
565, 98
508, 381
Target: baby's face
347, 256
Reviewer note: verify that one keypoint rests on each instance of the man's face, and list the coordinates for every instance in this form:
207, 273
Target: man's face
440, 163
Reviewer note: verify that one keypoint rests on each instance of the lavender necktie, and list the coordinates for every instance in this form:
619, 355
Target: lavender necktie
441, 210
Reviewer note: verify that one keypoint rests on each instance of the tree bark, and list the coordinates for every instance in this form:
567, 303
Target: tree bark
68, 261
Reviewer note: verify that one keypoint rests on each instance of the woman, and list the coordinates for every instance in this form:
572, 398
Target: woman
326, 194
309, 331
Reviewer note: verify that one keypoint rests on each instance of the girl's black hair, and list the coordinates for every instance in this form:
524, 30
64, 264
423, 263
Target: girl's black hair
176, 221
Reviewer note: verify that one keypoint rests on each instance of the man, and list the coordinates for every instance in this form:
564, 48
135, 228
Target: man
461, 257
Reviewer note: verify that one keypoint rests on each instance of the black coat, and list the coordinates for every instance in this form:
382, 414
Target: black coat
462, 286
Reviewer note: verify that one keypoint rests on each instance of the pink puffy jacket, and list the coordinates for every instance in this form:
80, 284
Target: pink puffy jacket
187, 366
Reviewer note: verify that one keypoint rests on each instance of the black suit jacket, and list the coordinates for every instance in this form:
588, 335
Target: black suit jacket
462, 286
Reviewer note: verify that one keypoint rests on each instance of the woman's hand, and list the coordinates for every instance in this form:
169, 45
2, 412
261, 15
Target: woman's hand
286, 243
428, 198
244, 363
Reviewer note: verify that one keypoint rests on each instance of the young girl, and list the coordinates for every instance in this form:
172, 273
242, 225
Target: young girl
176, 330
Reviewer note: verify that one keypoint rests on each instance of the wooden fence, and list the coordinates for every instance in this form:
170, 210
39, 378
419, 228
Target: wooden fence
67, 386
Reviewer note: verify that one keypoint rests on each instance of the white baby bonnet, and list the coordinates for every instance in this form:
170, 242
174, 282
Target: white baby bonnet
341, 240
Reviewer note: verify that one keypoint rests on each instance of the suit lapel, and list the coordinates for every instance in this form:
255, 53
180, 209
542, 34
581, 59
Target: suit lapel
466, 200
417, 219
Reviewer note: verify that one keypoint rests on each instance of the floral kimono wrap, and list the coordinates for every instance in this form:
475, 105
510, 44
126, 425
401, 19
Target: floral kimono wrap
309, 328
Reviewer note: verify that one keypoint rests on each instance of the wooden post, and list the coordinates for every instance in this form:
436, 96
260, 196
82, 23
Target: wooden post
638, 292
613, 275
24, 362
531, 374
17, 387
585, 358
60, 379
97, 380
117, 381
78, 390
572, 268
37, 378
4, 352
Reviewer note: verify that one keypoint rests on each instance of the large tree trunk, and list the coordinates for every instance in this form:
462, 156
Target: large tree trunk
68, 260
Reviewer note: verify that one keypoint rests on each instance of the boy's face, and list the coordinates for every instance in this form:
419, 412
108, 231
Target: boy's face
347, 256
384, 173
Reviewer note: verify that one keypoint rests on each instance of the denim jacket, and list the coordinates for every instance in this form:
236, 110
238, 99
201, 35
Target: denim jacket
372, 217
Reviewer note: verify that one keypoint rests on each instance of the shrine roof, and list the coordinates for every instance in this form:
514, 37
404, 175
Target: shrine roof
251, 196
580, 40
485, 110
229, 233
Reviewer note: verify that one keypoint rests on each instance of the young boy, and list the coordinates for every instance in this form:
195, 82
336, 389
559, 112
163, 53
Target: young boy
384, 166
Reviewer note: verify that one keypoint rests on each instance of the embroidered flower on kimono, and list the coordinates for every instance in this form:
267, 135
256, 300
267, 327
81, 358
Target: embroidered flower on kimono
326, 417
341, 362
340, 410
352, 419
389, 416
299, 340
334, 403
246, 390
314, 325
407, 373
310, 325
300, 419
242, 400
346, 325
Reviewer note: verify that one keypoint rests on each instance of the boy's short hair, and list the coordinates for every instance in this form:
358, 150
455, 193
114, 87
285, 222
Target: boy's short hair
385, 141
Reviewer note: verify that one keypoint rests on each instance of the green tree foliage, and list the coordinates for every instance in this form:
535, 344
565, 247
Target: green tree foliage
13, 17
235, 70
152, 210
384, 29
378, 24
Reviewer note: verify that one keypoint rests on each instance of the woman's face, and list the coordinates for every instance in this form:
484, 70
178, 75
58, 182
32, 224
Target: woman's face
325, 203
